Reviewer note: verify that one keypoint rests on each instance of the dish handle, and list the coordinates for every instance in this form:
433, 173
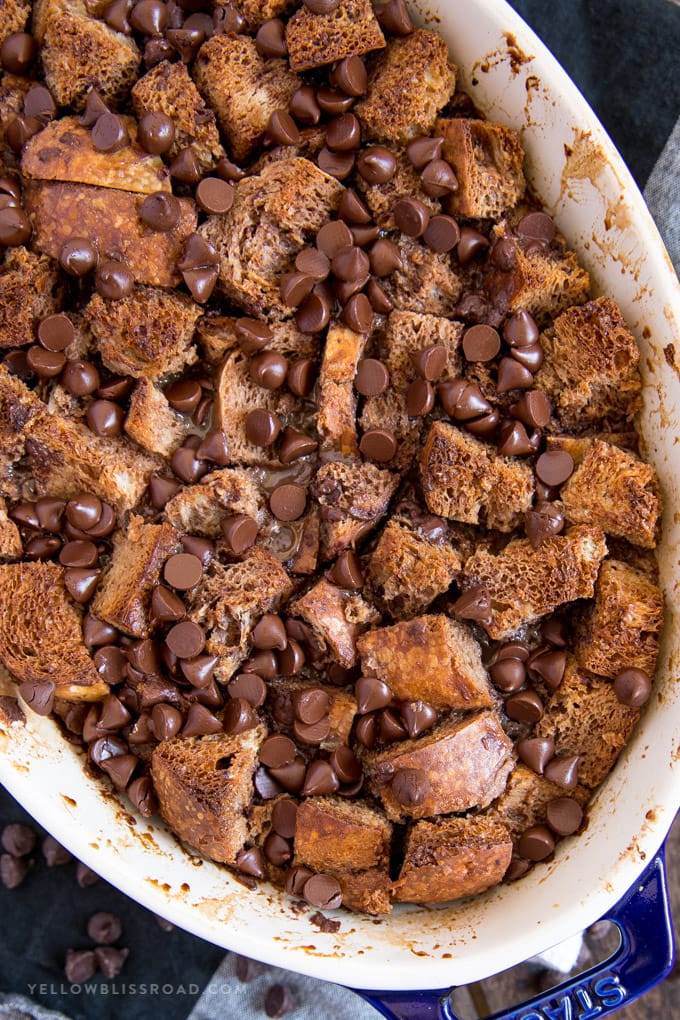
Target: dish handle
643, 958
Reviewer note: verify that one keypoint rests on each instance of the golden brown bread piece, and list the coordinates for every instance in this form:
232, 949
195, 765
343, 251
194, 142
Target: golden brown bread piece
242, 88
407, 571
487, 159
354, 496
464, 479
543, 280
229, 600
79, 53
63, 151
41, 632
147, 334
337, 398
381, 198
18, 406
426, 282
591, 369
317, 39
523, 802
525, 584
367, 891
585, 717
431, 658
204, 786
29, 291
151, 422
13, 17
408, 85
274, 214
465, 762
615, 490
333, 834
620, 627
336, 616
13, 88
139, 553
110, 218
255, 12
168, 88
452, 857
198, 509
11, 547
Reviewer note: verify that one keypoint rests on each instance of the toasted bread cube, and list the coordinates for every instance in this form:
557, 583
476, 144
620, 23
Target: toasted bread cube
452, 857
465, 479
41, 632
167, 88
431, 658
333, 834
337, 399
381, 198
124, 595
29, 292
242, 88
408, 571
198, 509
465, 763
11, 547
487, 159
543, 280
67, 458
585, 717
590, 371
409, 84
63, 151
620, 627
426, 282
18, 406
274, 214
13, 17
341, 711
80, 53
13, 88
367, 891
204, 787
304, 558
314, 40
524, 800
336, 616
110, 218
151, 422
254, 12
229, 600
147, 334
353, 497
615, 490
525, 584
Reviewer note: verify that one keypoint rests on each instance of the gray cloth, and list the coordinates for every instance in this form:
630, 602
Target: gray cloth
662, 195
18, 1007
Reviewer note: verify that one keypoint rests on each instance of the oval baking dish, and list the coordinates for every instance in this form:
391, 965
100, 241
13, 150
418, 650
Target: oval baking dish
583, 182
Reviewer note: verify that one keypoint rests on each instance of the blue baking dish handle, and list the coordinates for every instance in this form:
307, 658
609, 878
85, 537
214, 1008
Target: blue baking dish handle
643, 958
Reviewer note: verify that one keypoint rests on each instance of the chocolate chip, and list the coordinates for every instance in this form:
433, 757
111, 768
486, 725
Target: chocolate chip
160, 211
114, 715
250, 687
536, 752
13, 870
114, 280
54, 853
537, 226
419, 398
268, 369
542, 522
238, 716
45, 364
288, 501
84, 511
564, 815
513, 376
184, 395
372, 378
350, 76
294, 288
508, 675
81, 584
104, 928
161, 490
394, 17
481, 343
78, 256
252, 334
310, 705
271, 38
199, 267
38, 695
345, 764
229, 171
336, 164
117, 387
320, 7
303, 105
185, 167
199, 671
150, 17
378, 445
277, 751
529, 357
81, 965
49, 512
110, 960
110, 663
333, 101
471, 244
343, 134
320, 779
536, 843
240, 532
251, 862
430, 362
417, 717
183, 571
513, 440
380, 302
186, 640
85, 876
313, 263
269, 633
424, 150
187, 41
295, 445
526, 706
411, 216
18, 52
438, 179
346, 571
80, 378
377, 165
474, 604
632, 687
323, 891
247, 970
166, 720
520, 330
115, 15
371, 694
442, 234
141, 793
391, 726
156, 133
410, 787
200, 722
186, 464
214, 448
105, 418
291, 776
18, 840
262, 427
462, 400
352, 209
18, 130
94, 108
41, 548
291, 659
333, 237
534, 408
110, 133
563, 771
282, 129
554, 467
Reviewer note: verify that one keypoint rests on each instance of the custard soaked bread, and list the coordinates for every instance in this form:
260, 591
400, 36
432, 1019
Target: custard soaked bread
324, 526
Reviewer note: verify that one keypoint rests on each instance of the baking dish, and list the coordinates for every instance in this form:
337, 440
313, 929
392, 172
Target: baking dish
583, 182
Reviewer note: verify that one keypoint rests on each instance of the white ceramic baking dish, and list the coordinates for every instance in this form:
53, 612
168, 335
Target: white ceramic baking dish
582, 180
